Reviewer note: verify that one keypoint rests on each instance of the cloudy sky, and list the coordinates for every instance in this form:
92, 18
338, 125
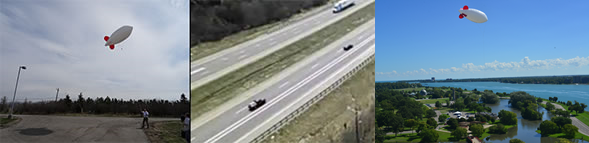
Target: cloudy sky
61, 43
521, 38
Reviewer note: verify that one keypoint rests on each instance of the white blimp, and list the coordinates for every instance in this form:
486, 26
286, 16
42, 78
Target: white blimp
118, 36
473, 15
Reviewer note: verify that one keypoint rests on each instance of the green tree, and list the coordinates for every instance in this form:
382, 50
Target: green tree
396, 124
547, 127
432, 122
516, 141
430, 135
549, 106
411, 123
379, 134
453, 123
507, 117
443, 117
477, 129
569, 130
539, 100
430, 113
458, 133
438, 104
561, 121
489, 98
421, 126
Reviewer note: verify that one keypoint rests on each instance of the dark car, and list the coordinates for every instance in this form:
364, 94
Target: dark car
256, 104
346, 48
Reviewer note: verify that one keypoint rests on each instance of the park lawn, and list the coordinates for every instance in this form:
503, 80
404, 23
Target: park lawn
562, 135
583, 117
433, 101
443, 137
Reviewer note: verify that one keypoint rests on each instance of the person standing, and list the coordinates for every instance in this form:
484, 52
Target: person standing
187, 127
145, 118
182, 132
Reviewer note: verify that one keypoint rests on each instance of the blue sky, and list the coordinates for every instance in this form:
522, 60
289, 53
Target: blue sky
61, 43
424, 39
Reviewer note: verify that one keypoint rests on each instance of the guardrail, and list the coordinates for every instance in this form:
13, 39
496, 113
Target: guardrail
314, 100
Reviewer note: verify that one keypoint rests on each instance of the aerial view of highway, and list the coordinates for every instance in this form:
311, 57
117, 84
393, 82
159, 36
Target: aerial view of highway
247, 91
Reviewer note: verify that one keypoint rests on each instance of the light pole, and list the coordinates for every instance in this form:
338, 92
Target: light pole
15, 87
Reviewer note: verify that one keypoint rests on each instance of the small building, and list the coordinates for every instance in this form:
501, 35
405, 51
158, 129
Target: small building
433, 78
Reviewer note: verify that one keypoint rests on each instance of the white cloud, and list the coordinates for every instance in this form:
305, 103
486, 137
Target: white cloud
524, 64
61, 42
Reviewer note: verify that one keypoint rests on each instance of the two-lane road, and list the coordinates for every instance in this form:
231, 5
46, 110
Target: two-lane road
240, 125
215, 66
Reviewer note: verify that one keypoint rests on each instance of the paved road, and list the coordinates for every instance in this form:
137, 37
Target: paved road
61, 129
288, 92
583, 128
215, 66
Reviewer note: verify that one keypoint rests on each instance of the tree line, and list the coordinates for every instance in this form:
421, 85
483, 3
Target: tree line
582, 79
211, 20
101, 105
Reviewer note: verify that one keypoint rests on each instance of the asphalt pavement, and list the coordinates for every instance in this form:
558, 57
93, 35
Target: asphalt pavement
215, 66
239, 124
62, 129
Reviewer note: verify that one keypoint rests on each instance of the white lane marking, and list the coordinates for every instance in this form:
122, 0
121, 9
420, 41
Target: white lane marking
284, 84
242, 51
242, 121
225, 59
330, 65
197, 70
312, 67
316, 22
361, 36
258, 45
242, 56
239, 110
293, 103
205, 72
191, 139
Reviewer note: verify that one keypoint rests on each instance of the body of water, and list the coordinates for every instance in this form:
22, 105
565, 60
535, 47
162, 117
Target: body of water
563, 92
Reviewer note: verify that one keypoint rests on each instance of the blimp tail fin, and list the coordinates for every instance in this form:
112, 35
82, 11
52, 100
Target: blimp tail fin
106, 38
465, 7
462, 15
112, 47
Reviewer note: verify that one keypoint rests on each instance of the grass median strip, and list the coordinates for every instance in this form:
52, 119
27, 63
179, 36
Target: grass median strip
216, 92
208, 48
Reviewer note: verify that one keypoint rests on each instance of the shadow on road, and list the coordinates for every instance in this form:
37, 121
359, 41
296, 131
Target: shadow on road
35, 131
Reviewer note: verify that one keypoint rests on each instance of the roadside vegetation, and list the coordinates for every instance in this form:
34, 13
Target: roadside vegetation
211, 20
165, 131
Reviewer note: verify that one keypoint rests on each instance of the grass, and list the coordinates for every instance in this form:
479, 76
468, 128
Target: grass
562, 135
583, 117
208, 48
4, 121
215, 93
432, 101
165, 131
443, 137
